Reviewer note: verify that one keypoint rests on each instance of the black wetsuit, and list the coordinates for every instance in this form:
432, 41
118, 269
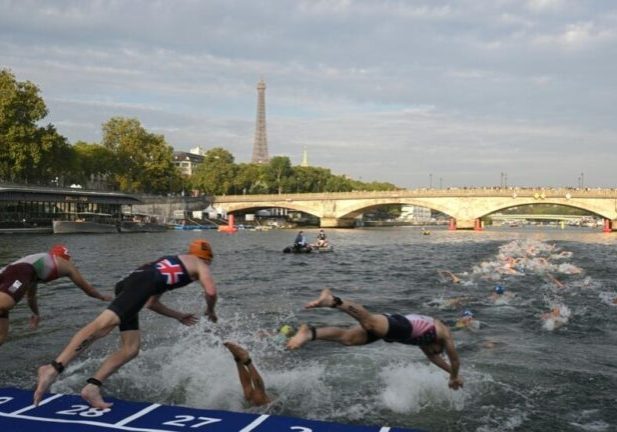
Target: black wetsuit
150, 279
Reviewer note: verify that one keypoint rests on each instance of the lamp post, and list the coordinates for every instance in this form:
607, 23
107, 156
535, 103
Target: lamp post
430, 181
582, 180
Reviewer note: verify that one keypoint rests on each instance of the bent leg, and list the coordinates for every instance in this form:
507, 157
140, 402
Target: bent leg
258, 396
4, 327
241, 356
353, 336
97, 329
130, 342
376, 324
6, 304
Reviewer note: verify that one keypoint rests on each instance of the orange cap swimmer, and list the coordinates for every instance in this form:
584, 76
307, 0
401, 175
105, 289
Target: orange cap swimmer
61, 251
201, 249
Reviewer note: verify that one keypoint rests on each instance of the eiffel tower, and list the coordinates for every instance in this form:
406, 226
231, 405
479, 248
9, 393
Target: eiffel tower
260, 147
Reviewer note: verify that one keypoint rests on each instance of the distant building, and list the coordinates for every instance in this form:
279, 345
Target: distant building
410, 213
186, 162
304, 162
198, 151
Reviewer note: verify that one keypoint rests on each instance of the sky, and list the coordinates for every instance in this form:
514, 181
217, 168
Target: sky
430, 93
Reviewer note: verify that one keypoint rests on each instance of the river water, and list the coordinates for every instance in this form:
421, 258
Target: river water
520, 372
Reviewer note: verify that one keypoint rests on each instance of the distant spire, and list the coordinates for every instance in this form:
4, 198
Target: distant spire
304, 162
260, 146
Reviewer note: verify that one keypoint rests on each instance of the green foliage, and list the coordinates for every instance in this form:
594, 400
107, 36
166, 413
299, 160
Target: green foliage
144, 161
28, 152
216, 175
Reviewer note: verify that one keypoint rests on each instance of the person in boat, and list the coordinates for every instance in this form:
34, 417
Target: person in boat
251, 381
23, 276
300, 241
322, 239
143, 287
429, 334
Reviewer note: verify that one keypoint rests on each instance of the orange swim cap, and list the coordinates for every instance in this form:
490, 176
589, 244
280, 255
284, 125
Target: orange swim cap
61, 251
201, 249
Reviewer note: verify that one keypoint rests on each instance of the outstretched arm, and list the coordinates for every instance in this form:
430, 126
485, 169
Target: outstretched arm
207, 282
73, 274
155, 305
445, 339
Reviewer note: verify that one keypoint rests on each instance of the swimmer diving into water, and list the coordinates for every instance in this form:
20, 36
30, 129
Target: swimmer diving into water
252, 384
429, 334
143, 287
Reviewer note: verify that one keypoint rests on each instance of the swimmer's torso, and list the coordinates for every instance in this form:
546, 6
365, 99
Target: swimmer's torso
44, 265
169, 273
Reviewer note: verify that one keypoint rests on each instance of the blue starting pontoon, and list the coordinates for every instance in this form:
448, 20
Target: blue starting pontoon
69, 413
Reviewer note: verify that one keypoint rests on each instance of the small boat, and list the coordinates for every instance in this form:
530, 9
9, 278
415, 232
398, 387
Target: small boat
298, 249
322, 249
187, 227
86, 222
140, 222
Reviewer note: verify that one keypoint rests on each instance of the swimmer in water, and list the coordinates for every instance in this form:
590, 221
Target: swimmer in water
141, 288
451, 303
252, 384
557, 317
21, 278
500, 295
455, 279
429, 334
467, 321
281, 335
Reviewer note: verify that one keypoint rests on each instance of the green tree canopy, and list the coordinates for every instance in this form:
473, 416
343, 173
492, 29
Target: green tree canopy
144, 161
216, 175
28, 152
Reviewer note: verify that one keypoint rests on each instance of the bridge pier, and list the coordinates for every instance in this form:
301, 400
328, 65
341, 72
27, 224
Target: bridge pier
330, 222
466, 224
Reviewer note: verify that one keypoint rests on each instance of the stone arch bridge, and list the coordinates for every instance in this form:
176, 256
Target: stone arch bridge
466, 206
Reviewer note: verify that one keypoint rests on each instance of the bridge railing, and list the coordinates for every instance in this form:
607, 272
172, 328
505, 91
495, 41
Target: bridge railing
514, 192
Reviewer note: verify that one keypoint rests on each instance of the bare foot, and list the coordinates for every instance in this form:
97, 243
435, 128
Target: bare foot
46, 375
92, 395
239, 353
326, 299
303, 335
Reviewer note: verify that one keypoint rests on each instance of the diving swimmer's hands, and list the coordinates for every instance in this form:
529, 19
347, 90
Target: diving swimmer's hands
455, 383
188, 319
34, 321
106, 297
211, 315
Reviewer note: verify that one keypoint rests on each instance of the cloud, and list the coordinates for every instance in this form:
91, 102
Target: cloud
388, 90
578, 36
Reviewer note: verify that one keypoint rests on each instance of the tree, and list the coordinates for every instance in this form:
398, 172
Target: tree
277, 173
216, 175
144, 160
27, 152
90, 159
250, 179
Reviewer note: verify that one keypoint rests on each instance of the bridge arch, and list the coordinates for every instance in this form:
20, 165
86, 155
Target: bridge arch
464, 205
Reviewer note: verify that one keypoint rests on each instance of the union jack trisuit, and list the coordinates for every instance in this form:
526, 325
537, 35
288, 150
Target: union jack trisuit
155, 278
